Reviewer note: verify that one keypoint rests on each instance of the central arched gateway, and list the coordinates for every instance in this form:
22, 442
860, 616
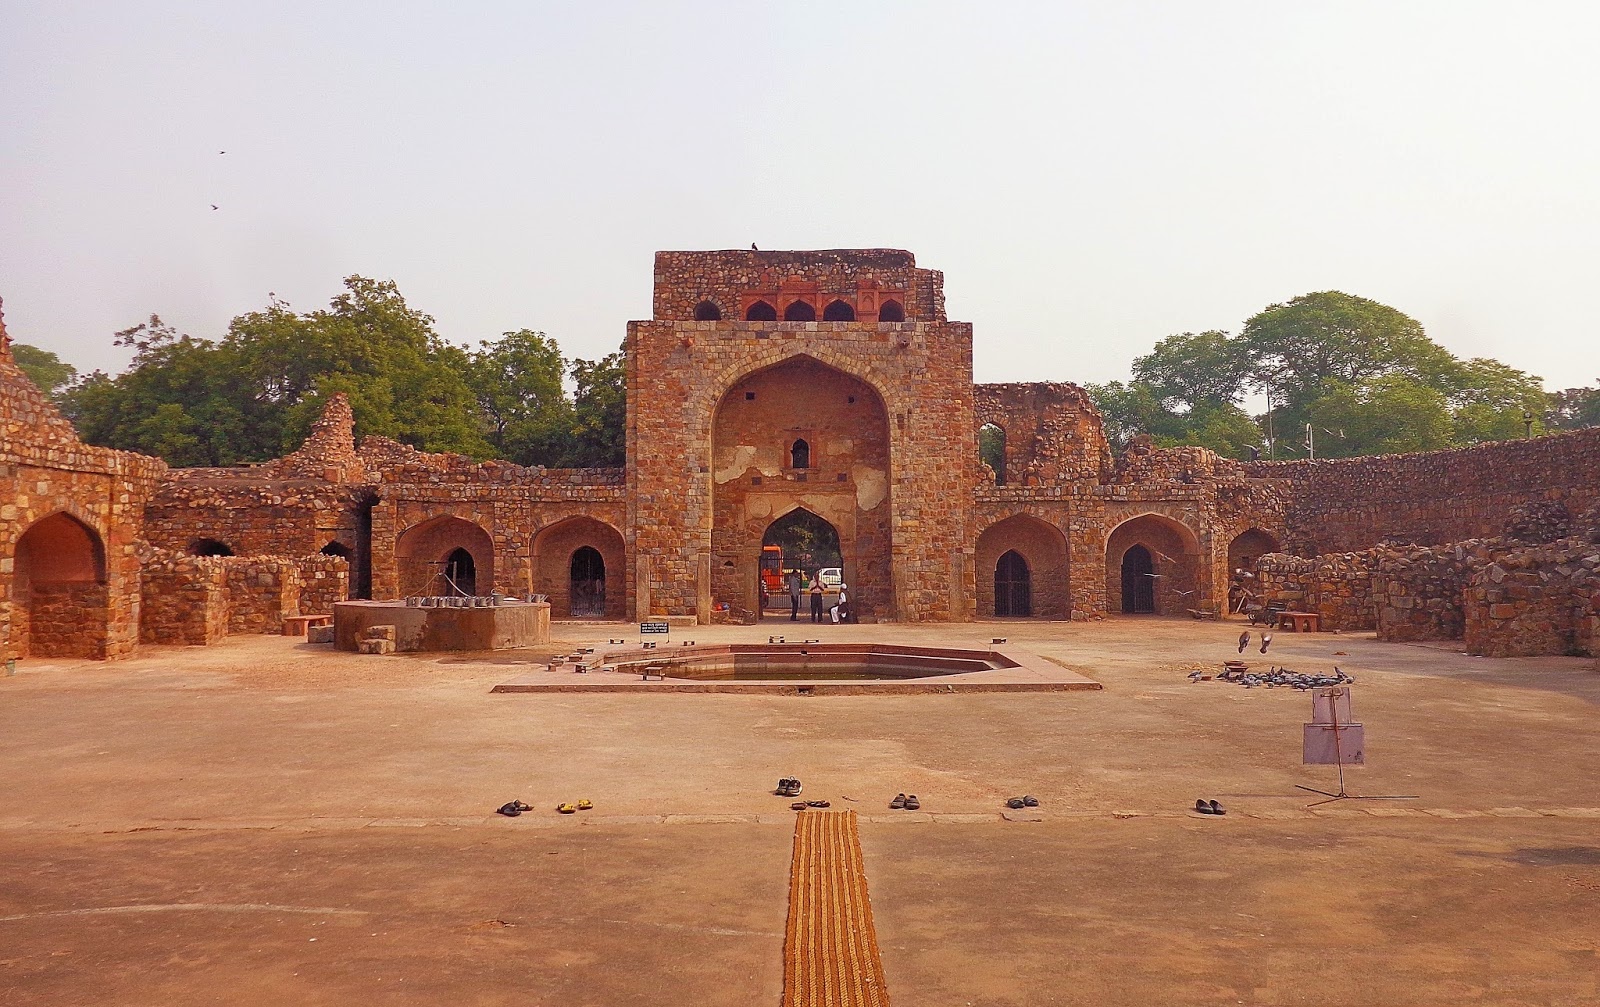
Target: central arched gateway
842, 478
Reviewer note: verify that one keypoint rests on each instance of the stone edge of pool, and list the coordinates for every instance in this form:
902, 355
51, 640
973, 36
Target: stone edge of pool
1028, 673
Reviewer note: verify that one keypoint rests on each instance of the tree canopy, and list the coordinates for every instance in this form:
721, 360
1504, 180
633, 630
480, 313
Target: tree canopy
253, 394
1363, 376
46, 370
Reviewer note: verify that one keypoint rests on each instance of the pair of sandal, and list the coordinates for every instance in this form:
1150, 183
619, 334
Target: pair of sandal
903, 803
788, 788
803, 805
1205, 807
1025, 801
584, 804
512, 809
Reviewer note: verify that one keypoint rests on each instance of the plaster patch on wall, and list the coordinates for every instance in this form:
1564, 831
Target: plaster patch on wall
872, 485
743, 455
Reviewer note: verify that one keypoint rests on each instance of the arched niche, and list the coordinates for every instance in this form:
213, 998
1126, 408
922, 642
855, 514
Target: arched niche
1173, 574
992, 450
707, 311
579, 564
800, 454
891, 311
1042, 547
800, 311
838, 311
1249, 546
429, 552
59, 591
761, 311
209, 547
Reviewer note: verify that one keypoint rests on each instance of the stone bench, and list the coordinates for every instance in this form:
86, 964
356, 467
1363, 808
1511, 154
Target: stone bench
1300, 622
296, 625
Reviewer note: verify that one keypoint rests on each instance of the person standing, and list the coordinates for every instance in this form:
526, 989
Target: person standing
816, 596
794, 595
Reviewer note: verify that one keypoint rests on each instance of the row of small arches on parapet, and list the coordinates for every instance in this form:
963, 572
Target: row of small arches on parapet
801, 311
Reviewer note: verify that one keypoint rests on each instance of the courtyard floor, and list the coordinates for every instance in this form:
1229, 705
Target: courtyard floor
269, 822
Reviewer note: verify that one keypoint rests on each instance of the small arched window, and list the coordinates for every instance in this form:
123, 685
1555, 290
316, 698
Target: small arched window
761, 311
891, 311
209, 547
838, 311
336, 549
800, 455
992, 450
799, 311
706, 311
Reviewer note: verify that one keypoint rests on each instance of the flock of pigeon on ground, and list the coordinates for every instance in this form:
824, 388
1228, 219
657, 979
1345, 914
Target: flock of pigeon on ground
1239, 673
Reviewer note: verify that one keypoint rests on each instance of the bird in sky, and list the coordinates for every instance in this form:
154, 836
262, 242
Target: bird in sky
214, 206
1244, 640
1266, 638
222, 152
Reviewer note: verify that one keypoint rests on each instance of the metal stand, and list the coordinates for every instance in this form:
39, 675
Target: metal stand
1338, 758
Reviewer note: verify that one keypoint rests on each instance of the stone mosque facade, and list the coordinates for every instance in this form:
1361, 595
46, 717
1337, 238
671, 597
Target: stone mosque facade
765, 382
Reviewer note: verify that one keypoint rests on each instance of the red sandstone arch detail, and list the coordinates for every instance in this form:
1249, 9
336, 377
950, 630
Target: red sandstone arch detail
553, 549
60, 596
1174, 550
422, 550
1043, 546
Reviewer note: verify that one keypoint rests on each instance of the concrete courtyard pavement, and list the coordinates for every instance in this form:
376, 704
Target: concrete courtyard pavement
266, 821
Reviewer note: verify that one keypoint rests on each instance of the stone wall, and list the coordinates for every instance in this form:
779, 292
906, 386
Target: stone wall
1339, 587
324, 581
261, 591
1542, 599
185, 599
1434, 497
1420, 590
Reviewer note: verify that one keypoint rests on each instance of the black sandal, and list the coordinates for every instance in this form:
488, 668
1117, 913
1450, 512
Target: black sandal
912, 803
1030, 801
898, 803
1014, 803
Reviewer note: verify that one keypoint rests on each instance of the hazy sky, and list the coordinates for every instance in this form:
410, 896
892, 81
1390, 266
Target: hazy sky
1091, 177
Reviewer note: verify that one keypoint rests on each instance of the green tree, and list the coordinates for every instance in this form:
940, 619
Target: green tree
527, 415
1385, 414
1491, 401
1573, 408
1195, 370
600, 410
47, 371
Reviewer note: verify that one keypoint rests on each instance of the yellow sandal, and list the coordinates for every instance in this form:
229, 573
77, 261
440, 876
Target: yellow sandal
566, 809
584, 804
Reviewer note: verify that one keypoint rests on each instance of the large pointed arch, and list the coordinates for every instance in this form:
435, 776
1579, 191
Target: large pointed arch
1043, 547
59, 589
758, 419
592, 585
1174, 573
425, 551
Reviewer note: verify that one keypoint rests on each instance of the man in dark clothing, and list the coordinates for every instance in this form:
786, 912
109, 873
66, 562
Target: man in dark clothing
816, 597
794, 595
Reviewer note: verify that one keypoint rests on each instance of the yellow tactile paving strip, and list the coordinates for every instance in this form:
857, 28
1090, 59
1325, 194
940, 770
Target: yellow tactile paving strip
830, 953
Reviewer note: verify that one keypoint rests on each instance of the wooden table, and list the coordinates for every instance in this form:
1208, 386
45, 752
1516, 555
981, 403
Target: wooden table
1301, 622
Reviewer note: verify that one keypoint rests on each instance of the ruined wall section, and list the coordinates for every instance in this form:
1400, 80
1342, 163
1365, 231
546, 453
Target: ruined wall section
864, 278
45, 470
1054, 434
1433, 497
251, 515
1541, 599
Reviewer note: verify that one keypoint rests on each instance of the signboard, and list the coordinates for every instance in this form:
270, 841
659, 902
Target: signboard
1332, 738
648, 628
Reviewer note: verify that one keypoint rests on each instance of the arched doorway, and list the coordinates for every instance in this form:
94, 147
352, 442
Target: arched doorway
445, 556
1249, 546
755, 479
1013, 586
587, 583
1164, 577
801, 542
1138, 581
1021, 566
460, 574
59, 591
579, 565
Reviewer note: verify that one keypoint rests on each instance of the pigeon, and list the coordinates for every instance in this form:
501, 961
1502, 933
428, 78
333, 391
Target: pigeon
222, 152
1244, 640
1194, 676
1266, 638
214, 206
